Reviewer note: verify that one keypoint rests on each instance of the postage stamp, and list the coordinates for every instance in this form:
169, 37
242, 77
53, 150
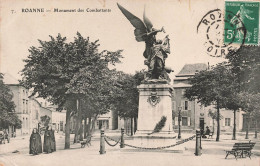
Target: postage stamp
241, 14
212, 26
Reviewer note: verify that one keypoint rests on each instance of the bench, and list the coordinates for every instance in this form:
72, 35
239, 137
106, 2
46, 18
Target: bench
241, 150
210, 134
86, 141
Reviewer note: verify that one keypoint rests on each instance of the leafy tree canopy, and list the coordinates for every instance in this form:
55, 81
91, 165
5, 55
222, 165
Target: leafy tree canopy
61, 71
7, 107
127, 98
245, 64
213, 85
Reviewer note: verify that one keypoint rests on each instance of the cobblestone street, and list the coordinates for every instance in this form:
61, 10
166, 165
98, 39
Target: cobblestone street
212, 153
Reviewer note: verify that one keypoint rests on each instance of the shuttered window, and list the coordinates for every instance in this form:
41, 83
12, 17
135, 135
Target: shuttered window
184, 121
227, 121
186, 105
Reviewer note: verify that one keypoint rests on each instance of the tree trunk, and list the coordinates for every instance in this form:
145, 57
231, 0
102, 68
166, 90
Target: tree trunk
255, 128
78, 121
132, 126
85, 127
218, 126
92, 127
88, 126
234, 127
247, 127
81, 131
213, 126
135, 124
67, 130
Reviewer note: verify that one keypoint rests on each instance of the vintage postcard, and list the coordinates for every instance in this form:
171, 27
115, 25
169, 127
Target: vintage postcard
128, 82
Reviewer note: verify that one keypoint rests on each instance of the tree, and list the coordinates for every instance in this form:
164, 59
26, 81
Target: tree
55, 70
211, 86
213, 116
7, 107
251, 105
127, 99
245, 65
96, 85
231, 96
232, 103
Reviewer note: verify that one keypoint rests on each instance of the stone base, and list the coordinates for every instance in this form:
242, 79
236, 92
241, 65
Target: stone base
147, 140
162, 134
154, 104
153, 141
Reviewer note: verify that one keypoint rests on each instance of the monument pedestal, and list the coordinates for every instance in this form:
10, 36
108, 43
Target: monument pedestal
154, 103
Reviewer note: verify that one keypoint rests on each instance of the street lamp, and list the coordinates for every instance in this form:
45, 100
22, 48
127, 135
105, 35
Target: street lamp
179, 122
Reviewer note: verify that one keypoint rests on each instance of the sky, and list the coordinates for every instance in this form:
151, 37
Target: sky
21, 30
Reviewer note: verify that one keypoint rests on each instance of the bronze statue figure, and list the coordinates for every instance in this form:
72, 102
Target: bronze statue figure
155, 50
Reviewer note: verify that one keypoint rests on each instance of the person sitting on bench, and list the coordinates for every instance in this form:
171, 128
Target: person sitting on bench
207, 131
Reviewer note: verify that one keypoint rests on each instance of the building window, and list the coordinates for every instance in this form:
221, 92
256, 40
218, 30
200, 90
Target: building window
227, 121
23, 106
26, 106
186, 105
184, 121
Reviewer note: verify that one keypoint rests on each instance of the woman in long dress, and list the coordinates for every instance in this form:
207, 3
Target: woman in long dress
35, 143
53, 142
47, 141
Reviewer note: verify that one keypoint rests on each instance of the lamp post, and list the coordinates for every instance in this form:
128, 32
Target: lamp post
179, 122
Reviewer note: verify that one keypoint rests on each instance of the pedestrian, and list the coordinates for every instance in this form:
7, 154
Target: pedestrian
6, 133
202, 133
47, 141
2, 136
35, 143
53, 142
207, 130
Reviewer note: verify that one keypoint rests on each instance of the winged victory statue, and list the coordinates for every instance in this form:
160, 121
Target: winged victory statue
156, 51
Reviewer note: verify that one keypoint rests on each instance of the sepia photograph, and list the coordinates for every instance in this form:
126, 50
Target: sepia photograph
129, 82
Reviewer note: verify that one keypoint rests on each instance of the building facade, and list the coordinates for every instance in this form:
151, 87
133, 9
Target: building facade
58, 120
107, 121
30, 110
193, 114
35, 110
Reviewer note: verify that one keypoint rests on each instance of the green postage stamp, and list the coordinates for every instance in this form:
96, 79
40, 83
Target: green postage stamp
241, 22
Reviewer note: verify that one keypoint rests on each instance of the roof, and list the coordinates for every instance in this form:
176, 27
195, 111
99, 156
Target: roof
9, 79
33, 98
181, 85
181, 78
191, 69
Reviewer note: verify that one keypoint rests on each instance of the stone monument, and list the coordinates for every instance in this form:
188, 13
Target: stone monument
155, 93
